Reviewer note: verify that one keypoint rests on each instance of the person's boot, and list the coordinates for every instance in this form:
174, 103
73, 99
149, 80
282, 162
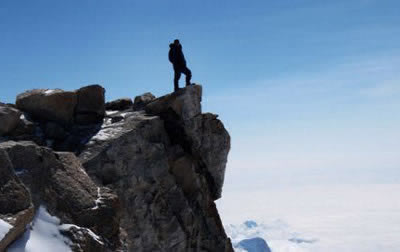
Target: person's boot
176, 86
188, 78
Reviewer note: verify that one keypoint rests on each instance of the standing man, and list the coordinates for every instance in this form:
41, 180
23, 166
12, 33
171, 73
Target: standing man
177, 59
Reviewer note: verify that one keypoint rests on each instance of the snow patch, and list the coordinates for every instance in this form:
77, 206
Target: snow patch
99, 199
43, 235
111, 112
127, 114
4, 228
106, 133
82, 170
19, 172
49, 91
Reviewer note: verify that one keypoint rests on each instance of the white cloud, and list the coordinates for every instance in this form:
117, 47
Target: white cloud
346, 218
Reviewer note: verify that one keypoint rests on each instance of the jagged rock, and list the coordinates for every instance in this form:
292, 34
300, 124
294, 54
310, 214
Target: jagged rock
168, 203
119, 104
199, 134
143, 100
90, 107
16, 209
72, 193
49, 104
9, 118
185, 104
59, 181
207, 135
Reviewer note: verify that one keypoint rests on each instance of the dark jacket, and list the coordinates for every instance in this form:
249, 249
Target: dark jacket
176, 56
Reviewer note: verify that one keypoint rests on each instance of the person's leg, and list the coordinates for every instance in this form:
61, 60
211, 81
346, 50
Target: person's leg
188, 74
176, 79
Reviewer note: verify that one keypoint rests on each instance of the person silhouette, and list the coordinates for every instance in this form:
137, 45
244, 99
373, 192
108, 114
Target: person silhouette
178, 61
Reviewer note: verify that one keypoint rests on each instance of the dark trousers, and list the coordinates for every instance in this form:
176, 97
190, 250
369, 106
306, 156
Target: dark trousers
178, 71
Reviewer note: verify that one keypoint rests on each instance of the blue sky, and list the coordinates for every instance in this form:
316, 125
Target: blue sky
309, 90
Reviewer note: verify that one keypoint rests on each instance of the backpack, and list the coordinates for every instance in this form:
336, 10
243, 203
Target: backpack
172, 53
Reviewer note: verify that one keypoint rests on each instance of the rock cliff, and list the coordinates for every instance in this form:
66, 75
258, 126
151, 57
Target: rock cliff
126, 175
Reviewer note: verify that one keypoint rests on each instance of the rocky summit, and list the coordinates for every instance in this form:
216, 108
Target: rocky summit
128, 175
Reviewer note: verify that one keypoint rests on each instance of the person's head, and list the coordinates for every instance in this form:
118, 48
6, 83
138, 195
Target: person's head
176, 42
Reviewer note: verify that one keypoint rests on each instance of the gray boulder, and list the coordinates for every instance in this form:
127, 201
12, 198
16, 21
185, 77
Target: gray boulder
143, 100
49, 104
184, 104
24, 128
90, 106
9, 119
119, 104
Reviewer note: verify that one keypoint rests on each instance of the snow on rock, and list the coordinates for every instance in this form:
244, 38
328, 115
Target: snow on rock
42, 236
19, 172
106, 133
49, 91
111, 112
127, 114
110, 129
65, 227
99, 199
4, 228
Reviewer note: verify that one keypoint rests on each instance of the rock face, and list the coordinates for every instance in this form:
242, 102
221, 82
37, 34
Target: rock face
144, 180
198, 134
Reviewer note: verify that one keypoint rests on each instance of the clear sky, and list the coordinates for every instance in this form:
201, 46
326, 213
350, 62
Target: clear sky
309, 90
